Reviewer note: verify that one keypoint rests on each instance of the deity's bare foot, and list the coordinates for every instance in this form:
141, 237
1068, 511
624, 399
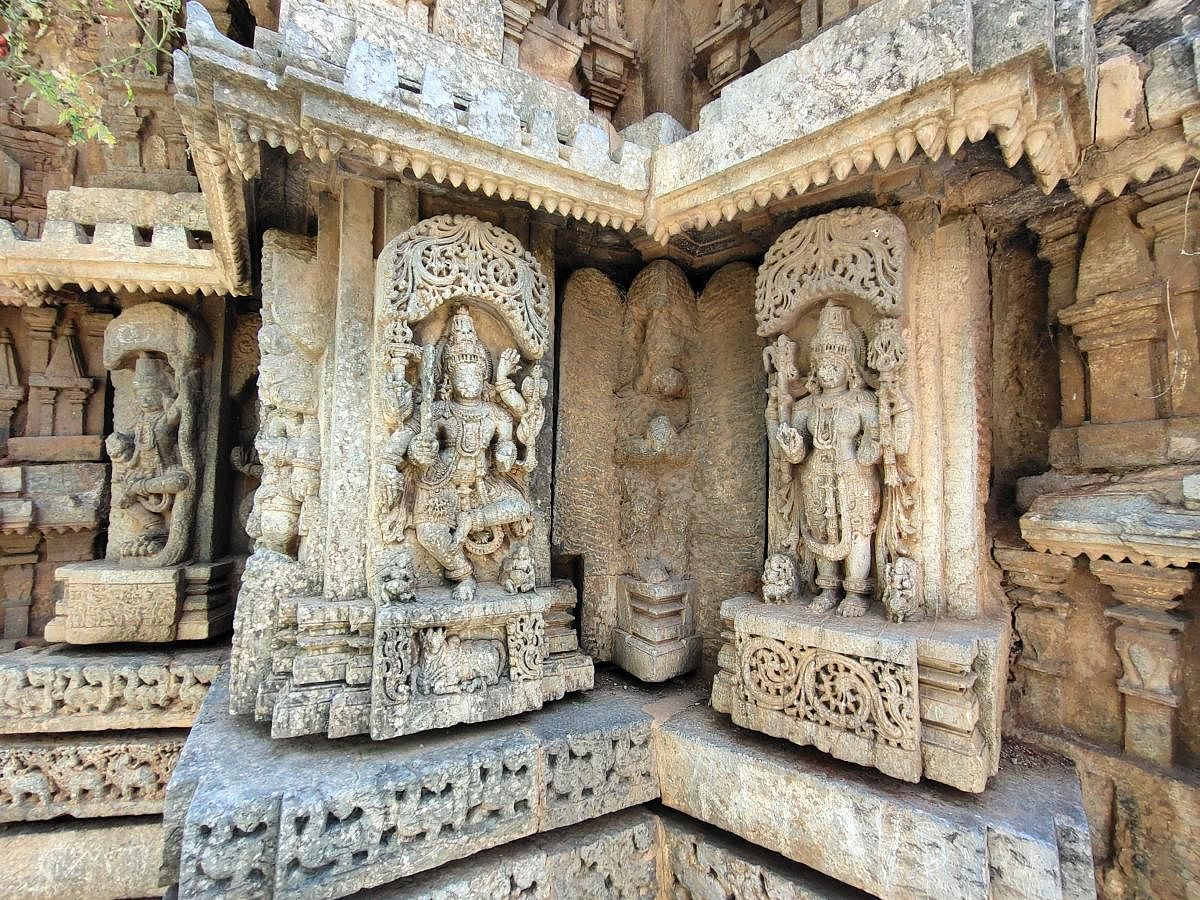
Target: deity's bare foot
854, 606
824, 602
464, 591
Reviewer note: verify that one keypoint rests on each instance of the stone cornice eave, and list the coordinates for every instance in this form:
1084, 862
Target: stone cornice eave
231, 98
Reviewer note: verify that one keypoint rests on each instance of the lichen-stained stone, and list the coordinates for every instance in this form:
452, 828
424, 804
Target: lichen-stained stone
1026, 836
249, 816
90, 776
104, 859
60, 688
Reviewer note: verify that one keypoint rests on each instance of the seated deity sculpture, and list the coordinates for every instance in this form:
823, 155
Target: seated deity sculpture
147, 472
463, 448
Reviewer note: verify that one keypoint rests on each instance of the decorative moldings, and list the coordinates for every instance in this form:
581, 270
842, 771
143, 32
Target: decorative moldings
59, 690
86, 777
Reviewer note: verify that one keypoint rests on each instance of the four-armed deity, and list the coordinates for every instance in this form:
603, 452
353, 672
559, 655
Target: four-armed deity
468, 450
836, 451
147, 473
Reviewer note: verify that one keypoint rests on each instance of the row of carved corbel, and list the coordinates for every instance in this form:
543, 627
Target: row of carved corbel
1024, 119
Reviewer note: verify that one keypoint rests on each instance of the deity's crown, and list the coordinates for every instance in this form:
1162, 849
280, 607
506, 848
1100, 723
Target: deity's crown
463, 344
149, 374
838, 335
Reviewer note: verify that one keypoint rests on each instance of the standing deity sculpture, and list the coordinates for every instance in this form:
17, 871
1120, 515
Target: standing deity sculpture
836, 449
147, 472
466, 454
288, 443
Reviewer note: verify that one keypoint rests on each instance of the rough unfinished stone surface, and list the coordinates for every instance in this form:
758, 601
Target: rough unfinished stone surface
108, 859
1026, 836
296, 819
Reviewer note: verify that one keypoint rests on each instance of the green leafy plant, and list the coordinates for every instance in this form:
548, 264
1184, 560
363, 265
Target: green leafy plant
74, 87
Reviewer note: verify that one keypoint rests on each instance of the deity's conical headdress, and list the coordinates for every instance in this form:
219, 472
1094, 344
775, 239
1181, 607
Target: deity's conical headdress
837, 335
149, 373
462, 343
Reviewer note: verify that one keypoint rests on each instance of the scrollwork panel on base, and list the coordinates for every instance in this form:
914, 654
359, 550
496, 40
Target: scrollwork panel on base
866, 706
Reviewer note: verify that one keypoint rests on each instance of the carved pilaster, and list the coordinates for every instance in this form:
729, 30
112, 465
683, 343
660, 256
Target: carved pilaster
1060, 240
724, 53
608, 58
1147, 639
12, 391
1034, 585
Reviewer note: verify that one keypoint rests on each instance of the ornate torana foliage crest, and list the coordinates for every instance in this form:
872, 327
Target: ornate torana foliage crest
855, 252
450, 258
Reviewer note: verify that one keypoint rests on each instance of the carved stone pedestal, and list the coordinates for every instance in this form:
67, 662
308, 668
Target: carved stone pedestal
655, 638
914, 700
105, 602
432, 662
1040, 614
1147, 639
250, 816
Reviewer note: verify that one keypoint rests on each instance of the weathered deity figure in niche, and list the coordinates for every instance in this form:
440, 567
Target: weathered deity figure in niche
463, 447
147, 472
832, 440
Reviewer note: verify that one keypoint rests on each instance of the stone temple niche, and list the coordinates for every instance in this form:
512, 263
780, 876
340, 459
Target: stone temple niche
666, 443
457, 620
856, 642
157, 582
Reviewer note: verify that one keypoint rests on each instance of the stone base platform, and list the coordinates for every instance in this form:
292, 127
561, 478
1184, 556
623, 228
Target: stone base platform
914, 699
1025, 836
247, 815
59, 688
105, 602
105, 859
311, 817
641, 852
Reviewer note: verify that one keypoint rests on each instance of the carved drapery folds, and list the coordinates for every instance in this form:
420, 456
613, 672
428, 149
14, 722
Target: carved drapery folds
840, 492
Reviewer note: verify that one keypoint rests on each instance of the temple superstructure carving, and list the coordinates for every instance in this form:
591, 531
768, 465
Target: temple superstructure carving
602, 447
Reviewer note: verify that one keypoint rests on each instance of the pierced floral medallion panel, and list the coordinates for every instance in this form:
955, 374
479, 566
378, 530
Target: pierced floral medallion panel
856, 707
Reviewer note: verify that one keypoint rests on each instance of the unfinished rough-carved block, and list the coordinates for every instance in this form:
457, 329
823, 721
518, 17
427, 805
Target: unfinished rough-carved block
655, 638
86, 777
61, 688
665, 445
247, 815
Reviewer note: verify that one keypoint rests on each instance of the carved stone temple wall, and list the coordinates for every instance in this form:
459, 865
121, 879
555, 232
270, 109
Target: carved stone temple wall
602, 448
